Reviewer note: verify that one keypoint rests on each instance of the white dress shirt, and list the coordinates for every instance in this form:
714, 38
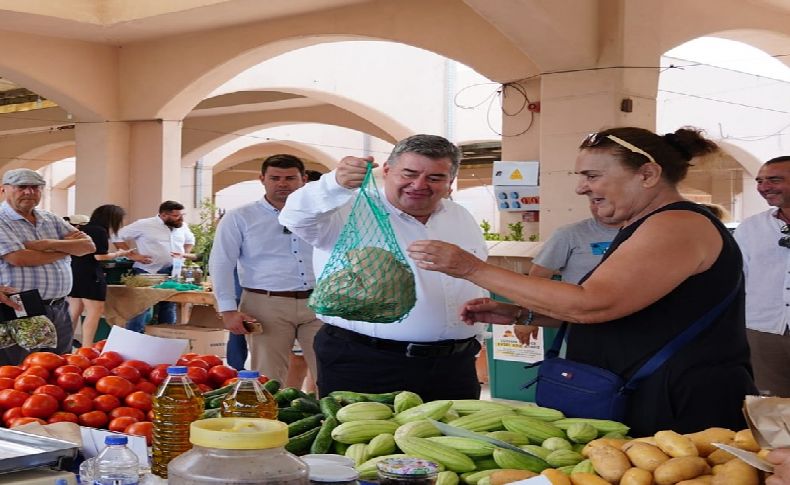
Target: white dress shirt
766, 267
157, 240
317, 213
268, 258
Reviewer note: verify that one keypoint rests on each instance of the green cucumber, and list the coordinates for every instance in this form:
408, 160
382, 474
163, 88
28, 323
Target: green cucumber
210, 413
305, 424
300, 444
384, 397
272, 385
347, 397
340, 448
329, 406
218, 392
351, 397
215, 402
323, 441
289, 415
289, 394
306, 405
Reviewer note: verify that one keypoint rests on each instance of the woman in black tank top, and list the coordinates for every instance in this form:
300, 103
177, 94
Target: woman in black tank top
671, 263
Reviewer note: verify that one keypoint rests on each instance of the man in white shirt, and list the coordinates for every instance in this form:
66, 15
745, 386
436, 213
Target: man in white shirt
764, 240
159, 239
275, 272
431, 352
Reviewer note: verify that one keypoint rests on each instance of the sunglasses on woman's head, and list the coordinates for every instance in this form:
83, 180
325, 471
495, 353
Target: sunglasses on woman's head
595, 139
784, 241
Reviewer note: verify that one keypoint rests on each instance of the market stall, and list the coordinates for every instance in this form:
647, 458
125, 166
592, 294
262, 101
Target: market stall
124, 302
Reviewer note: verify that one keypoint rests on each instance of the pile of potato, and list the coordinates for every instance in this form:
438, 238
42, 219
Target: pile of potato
669, 458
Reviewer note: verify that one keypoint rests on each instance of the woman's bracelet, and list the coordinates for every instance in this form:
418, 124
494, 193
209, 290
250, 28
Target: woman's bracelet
522, 319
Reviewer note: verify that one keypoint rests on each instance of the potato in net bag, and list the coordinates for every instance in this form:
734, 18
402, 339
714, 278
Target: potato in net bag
366, 277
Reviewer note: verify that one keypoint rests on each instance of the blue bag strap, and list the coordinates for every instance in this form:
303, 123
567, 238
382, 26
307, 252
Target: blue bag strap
681, 340
665, 353
554, 351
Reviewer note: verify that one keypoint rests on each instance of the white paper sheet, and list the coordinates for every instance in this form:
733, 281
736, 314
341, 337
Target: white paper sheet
93, 443
539, 480
154, 350
507, 347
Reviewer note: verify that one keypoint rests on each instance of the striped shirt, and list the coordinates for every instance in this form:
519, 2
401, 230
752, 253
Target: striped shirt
53, 280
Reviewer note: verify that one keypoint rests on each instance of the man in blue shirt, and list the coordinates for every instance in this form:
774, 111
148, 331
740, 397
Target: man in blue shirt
275, 272
35, 250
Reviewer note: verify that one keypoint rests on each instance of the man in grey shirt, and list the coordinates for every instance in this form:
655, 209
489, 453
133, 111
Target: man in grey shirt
571, 252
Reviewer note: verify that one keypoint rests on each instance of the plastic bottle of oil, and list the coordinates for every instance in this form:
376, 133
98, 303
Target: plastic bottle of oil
176, 404
249, 399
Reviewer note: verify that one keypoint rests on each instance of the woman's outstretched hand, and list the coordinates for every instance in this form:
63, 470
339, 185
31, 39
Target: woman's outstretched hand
486, 310
443, 257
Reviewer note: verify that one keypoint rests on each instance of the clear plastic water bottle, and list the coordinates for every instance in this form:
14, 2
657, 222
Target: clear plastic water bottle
178, 264
116, 464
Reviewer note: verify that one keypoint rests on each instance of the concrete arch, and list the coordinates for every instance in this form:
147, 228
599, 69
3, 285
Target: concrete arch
245, 164
766, 29
748, 161
395, 129
81, 77
200, 135
66, 182
447, 27
37, 150
308, 154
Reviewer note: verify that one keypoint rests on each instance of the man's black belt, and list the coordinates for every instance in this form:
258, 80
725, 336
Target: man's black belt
298, 294
53, 301
442, 348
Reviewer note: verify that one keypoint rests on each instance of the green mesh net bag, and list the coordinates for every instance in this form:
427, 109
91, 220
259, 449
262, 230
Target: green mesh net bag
366, 277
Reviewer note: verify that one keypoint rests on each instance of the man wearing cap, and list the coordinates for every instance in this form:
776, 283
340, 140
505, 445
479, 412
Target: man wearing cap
35, 250
77, 220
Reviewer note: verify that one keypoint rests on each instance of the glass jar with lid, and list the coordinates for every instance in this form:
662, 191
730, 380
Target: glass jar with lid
326, 473
238, 451
407, 471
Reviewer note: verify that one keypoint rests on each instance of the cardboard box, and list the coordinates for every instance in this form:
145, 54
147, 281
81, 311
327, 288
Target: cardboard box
202, 340
205, 331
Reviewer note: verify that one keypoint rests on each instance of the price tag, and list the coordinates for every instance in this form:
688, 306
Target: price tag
18, 300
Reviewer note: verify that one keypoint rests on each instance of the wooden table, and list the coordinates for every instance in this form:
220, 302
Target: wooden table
124, 302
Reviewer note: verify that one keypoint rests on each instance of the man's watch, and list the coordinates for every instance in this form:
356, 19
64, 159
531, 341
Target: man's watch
524, 317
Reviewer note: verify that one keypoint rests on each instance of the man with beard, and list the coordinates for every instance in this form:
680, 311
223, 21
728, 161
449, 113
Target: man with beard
431, 351
275, 273
764, 240
35, 250
159, 239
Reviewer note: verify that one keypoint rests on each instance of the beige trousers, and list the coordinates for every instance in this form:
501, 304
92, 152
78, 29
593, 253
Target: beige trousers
283, 320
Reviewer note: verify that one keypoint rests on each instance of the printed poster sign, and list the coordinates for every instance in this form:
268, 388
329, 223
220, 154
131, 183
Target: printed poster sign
515, 173
517, 198
507, 347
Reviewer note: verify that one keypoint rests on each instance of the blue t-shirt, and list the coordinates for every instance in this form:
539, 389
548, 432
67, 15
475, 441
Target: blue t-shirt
575, 249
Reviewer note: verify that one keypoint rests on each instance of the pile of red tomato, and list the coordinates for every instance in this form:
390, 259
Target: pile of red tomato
95, 388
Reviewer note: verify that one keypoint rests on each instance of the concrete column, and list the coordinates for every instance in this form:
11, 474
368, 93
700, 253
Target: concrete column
154, 166
59, 201
102, 165
573, 105
518, 144
196, 187
576, 100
